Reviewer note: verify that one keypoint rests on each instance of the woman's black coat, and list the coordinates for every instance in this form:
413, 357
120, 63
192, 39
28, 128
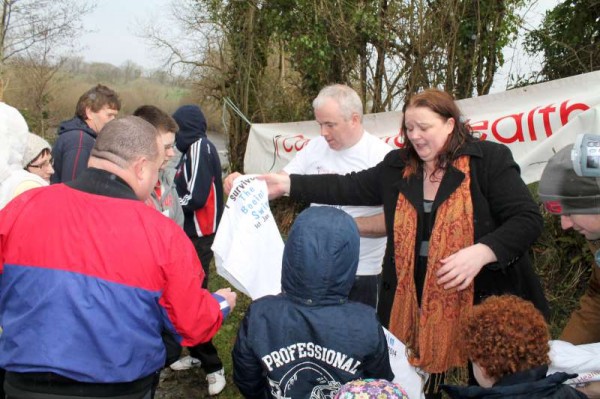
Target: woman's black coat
505, 216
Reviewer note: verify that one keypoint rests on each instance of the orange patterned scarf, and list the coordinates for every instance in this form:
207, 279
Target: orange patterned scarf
431, 333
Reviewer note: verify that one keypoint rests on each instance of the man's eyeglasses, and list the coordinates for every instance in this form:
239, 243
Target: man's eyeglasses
43, 165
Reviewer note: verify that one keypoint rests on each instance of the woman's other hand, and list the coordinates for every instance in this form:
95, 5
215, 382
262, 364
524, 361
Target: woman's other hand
459, 269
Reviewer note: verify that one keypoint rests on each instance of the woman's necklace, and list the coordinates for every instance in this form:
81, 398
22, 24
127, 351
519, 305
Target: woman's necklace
431, 183
434, 177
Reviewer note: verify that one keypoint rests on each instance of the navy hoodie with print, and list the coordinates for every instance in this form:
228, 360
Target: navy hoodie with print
310, 340
198, 177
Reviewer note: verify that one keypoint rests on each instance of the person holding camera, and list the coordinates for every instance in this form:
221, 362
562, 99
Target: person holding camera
577, 200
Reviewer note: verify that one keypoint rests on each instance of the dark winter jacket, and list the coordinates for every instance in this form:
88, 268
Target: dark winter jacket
198, 177
529, 384
72, 149
310, 340
505, 216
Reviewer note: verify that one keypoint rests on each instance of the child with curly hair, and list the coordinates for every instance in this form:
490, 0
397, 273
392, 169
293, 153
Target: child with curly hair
506, 339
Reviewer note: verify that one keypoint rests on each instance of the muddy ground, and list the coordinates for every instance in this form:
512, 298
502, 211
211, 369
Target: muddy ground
183, 384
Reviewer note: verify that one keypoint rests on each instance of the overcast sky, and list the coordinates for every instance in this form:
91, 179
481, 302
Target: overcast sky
516, 61
114, 24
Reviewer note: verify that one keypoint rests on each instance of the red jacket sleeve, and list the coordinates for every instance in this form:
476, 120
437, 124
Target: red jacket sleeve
193, 312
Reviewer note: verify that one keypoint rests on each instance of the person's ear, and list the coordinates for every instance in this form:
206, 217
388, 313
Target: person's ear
482, 376
450, 123
484, 372
139, 168
88, 111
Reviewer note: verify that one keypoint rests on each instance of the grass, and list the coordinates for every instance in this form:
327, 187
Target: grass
225, 339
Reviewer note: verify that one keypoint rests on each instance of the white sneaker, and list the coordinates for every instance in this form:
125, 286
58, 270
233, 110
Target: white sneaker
185, 363
216, 382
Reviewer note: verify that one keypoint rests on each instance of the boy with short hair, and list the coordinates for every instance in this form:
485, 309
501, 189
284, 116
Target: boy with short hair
164, 197
76, 137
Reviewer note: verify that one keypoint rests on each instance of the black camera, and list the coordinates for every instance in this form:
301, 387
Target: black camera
586, 155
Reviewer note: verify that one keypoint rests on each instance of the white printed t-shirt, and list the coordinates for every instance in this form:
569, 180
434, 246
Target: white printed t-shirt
248, 247
317, 158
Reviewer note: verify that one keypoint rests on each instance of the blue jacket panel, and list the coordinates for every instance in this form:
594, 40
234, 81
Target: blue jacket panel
129, 338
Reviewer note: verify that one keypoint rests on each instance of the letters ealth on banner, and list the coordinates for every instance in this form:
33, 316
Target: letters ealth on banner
532, 121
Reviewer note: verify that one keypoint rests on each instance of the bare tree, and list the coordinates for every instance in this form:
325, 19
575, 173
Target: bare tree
131, 71
25, 23
385, 49
37, 68
219, 46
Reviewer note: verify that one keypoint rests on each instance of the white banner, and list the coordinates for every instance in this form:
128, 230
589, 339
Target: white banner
522, 119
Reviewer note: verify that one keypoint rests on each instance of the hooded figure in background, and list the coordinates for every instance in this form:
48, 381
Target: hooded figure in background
200, 190
14, 138
198, 176
310, 340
